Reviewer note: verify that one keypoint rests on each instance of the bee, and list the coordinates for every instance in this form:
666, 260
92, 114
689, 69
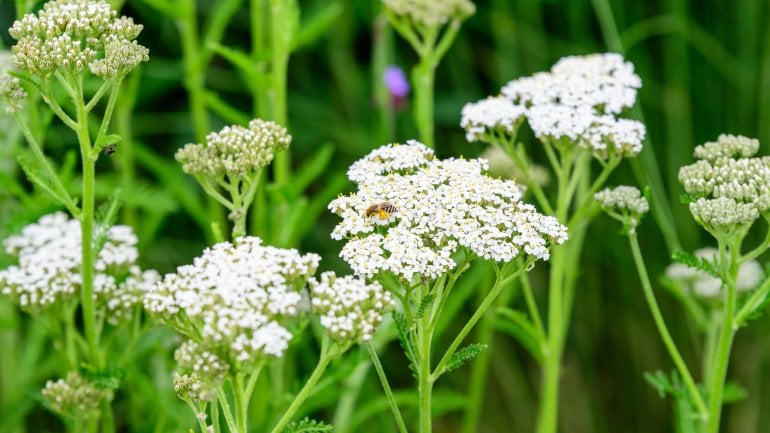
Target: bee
381, 210
110, 149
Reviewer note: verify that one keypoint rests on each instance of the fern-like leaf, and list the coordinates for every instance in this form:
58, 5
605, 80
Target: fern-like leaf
666, 383
308, 425
699, 263
466, 354
404, 337
425, 303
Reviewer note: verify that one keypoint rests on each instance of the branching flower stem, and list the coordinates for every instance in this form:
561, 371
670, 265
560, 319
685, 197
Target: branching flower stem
660, 323
425, 324
328, 351
430, 45
718, 374
386, 387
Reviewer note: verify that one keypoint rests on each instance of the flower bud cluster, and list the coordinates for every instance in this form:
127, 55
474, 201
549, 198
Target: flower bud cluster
431, 13
750, 274
729, 186
11, 92
434, 207
576, 103
350, 309
235, 151
73, 35
623, 199
74, 396
49, 262
189, 387
235, 303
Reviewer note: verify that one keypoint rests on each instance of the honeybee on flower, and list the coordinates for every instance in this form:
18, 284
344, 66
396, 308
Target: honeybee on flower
382, 210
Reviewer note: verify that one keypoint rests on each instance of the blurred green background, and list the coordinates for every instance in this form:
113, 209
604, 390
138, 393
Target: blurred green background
705, 68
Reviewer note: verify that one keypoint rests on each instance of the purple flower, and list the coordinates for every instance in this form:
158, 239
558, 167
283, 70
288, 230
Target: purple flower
396, 82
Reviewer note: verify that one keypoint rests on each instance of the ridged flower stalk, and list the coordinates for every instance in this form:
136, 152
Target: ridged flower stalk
430, 27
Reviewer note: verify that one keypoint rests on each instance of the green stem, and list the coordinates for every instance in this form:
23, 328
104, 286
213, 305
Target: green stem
755, 300
500, 282
547, 419
60, 190
425, 388
256, 23
194, 70
56, 108
69, 338
727, 332
240, 403
660, 323
280, 38
253, 381
197, 411
108, 421
225, 405
327, 354
97, 96
529, 298
98, 144
481, 365
386, 387
86, 228
423, 76
215, 416
126, 160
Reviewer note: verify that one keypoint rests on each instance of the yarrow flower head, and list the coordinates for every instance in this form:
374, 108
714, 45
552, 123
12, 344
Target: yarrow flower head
750, 274
349, 309
235, 304
431, 13
235, 151
425, 209
604, 82
491, 116
577, 103
75, 35
49, 262
729, 187
75, 397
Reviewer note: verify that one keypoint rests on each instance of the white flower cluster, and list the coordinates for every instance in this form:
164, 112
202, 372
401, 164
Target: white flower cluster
750, 274
431, 13
730, 187
236, 151
436, 206
623, 199
350, 309
74, 35
235, 302
74, 396
491, 115
11, 92
576, 103
49, 256
604, 82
